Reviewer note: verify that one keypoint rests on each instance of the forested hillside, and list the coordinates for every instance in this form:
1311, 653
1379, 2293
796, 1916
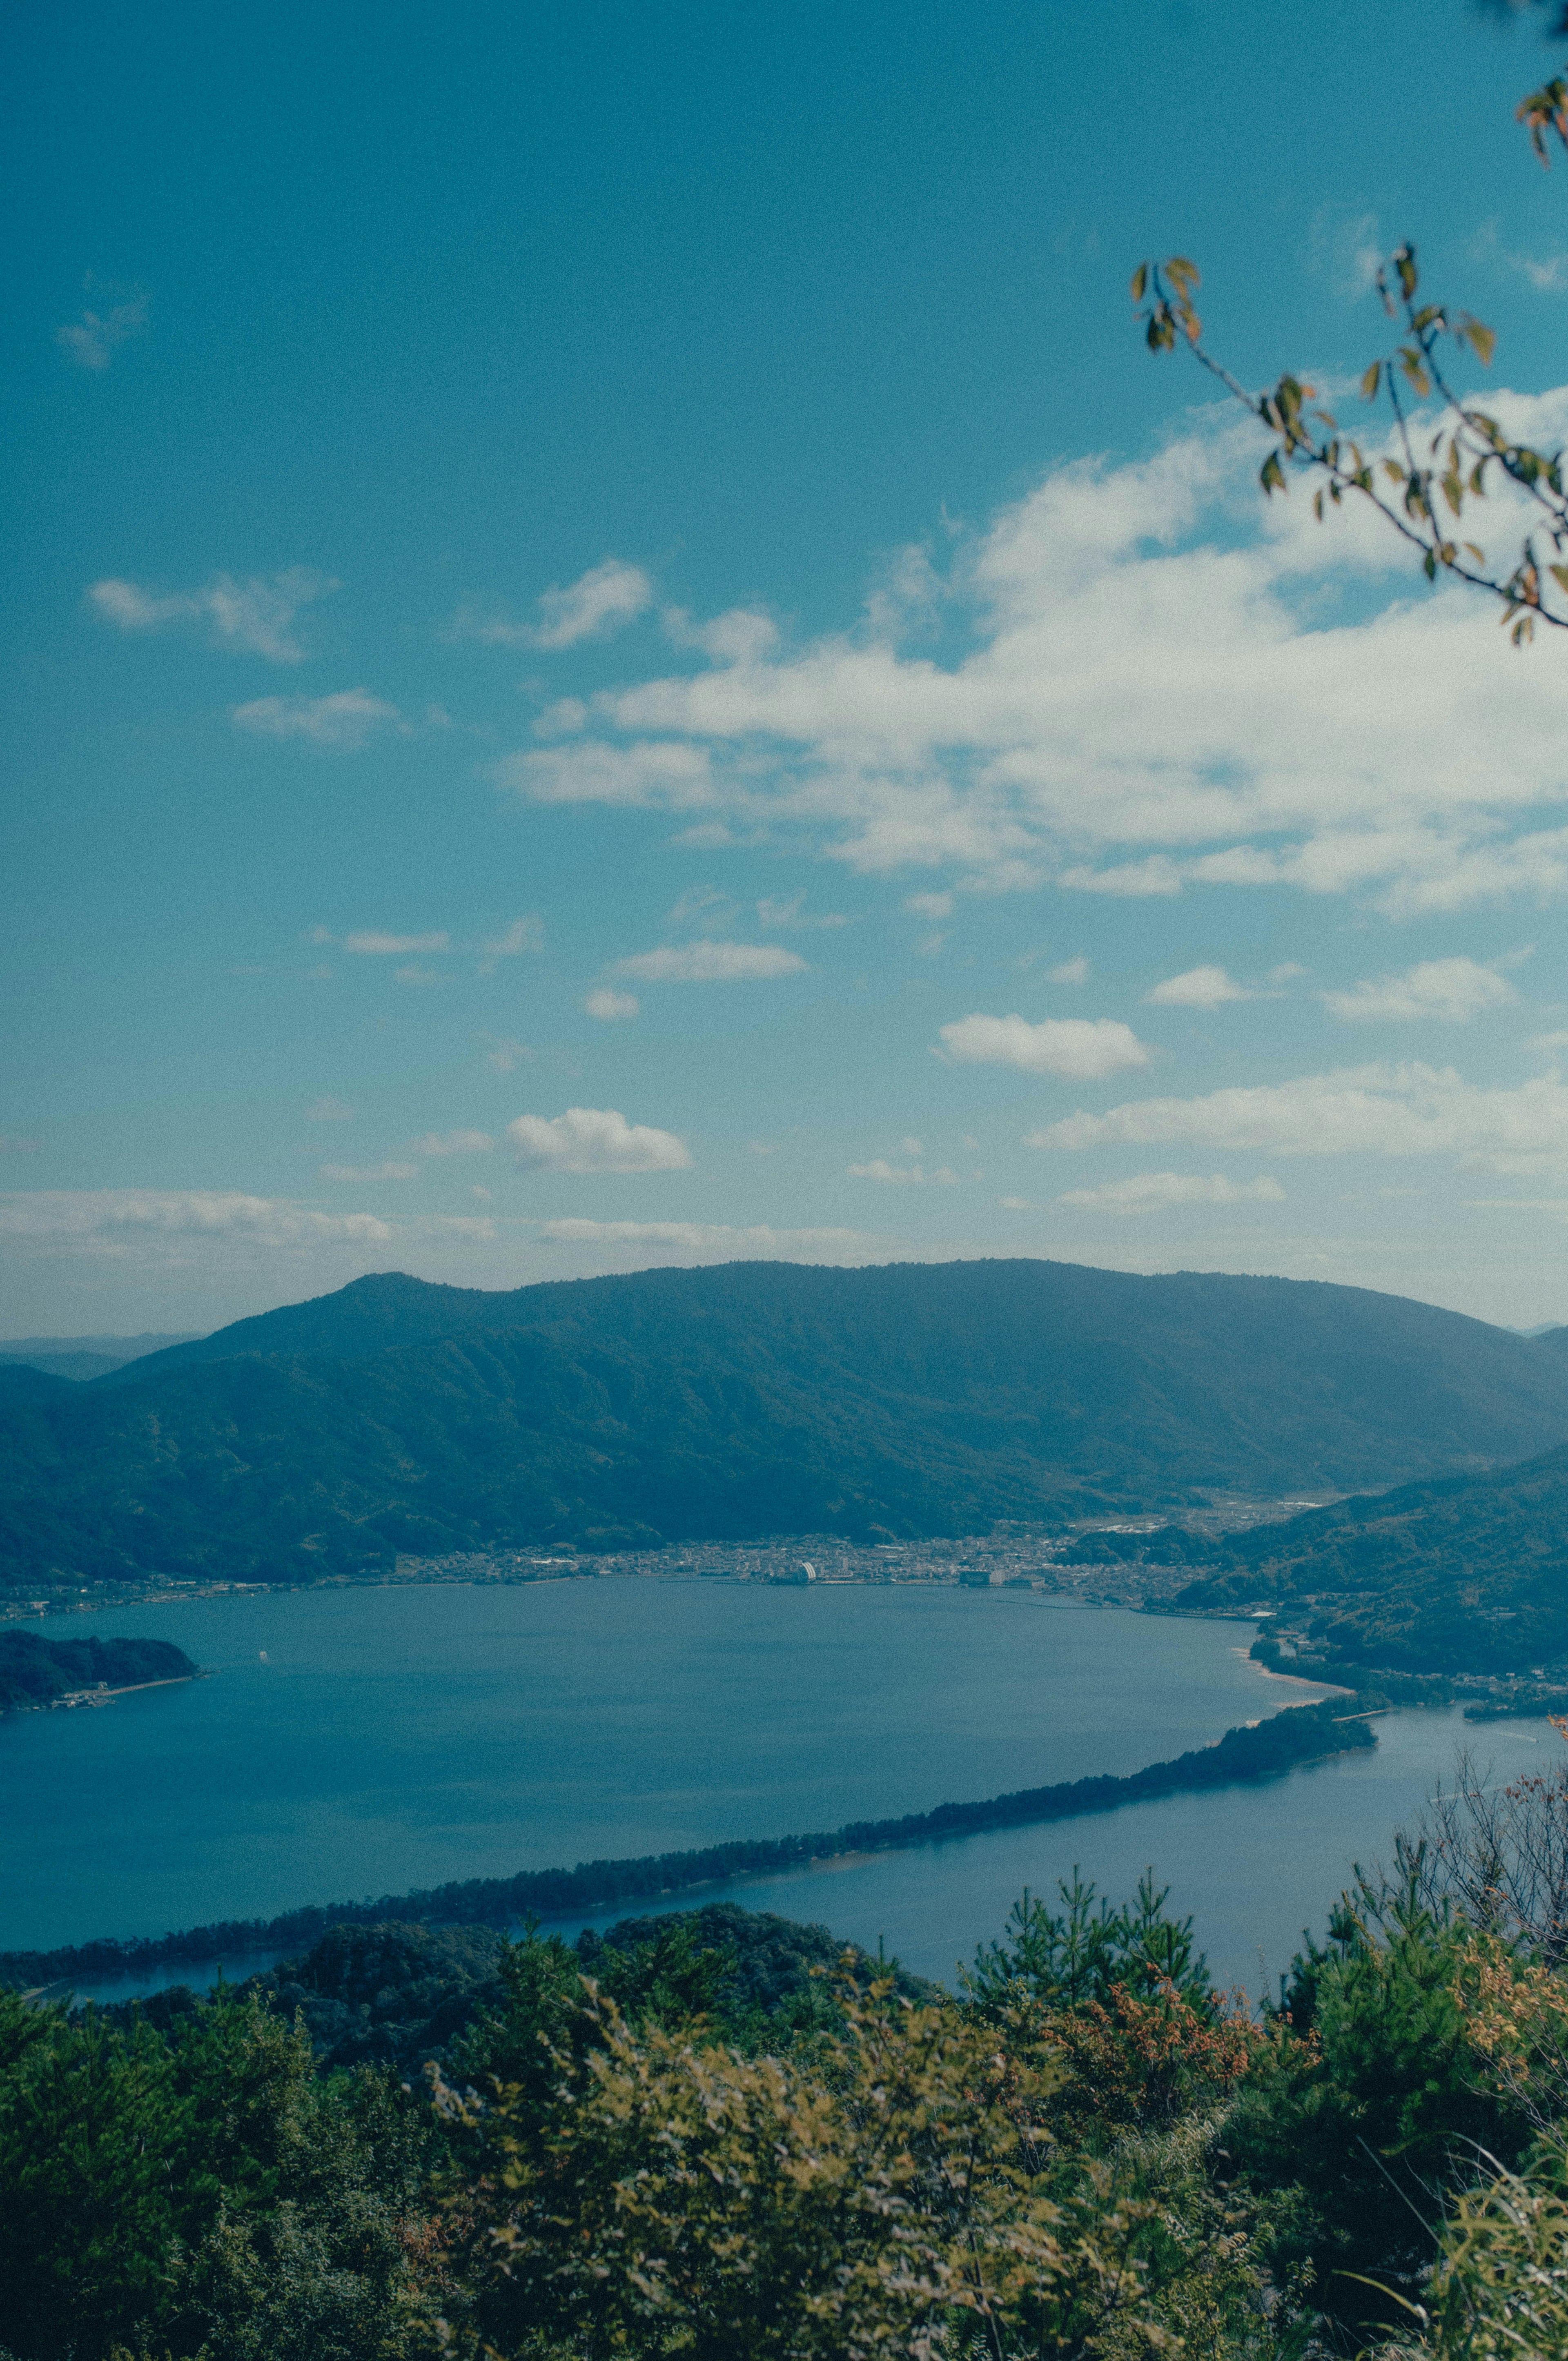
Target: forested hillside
707, 2136
755, 1398
1468, 1574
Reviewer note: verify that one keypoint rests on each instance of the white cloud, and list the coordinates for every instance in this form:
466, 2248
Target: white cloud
711, 963
640, 1243
1201, 987
252, 618
346, 719
610, 1007
1454, 989
793, 913
370, 943
1147, 1191
369, 1172
594, 1139
1409, 1110
504, 1057
108, 1221
879, 1169
1078, 1046
522, 934
929, 905
668, 778
1167, 683
454, 1143
597, 603
1072, 971
93, 339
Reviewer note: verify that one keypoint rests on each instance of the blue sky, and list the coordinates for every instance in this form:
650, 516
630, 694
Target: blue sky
616, 655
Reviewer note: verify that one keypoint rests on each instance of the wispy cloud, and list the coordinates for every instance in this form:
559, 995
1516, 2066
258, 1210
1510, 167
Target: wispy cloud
594, 1139
1407, 1110
1072, 971
907, 1175
640, 1243
1452, 989
253, 618
711, 963
1547, 273
342, 721
1346, 249
369, 1172
1147, 1193
597, 603
794, 914
454, 1143
94, 338
504, 1057
1081, 1047
522, 934
104, 1220
612, 1007
370, 943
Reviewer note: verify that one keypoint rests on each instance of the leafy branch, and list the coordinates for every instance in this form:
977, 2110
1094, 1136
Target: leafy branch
1422, 494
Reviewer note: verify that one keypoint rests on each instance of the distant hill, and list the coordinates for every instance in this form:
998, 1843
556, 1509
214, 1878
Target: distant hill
912, 1398
81, 1357
1465, 1575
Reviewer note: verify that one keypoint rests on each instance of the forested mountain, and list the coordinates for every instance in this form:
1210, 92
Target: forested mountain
752, 1398
1469, 1574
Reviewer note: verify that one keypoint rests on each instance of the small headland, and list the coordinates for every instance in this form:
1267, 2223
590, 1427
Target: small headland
38, 1673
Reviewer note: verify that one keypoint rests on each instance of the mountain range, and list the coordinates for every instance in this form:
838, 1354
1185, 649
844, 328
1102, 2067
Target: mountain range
726, 1402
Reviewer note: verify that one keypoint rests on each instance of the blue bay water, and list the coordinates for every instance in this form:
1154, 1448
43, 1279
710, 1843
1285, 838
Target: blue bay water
361, 1741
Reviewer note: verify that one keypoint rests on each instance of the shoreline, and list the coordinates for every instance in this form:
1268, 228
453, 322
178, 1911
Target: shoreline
1247, 1755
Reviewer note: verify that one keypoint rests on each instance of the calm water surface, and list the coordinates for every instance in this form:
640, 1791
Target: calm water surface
356, 1743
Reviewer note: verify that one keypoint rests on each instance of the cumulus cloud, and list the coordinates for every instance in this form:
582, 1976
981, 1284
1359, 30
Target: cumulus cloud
611, 1008
1145, 1192
1081, 1047
1201, 987
1162, 687
92, 340
344, 720
1406, 1110
597, 603
709, 962
253, 618
594, 1139
107, 1220
1453, 989
454, 1143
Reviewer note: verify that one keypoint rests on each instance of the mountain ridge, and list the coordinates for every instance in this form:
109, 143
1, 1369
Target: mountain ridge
725, 1401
